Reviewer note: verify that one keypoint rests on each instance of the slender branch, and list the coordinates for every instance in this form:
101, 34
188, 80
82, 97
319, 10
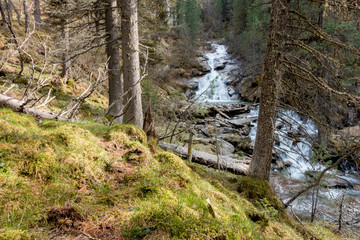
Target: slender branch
322, 174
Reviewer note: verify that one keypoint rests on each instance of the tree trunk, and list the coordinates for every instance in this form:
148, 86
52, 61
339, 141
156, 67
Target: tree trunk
2, 13
65, 42
26, 13
65, 36
37, 13
113, 54
9, 11
131, 64
237, 166
18, 16
18, 106
261, 163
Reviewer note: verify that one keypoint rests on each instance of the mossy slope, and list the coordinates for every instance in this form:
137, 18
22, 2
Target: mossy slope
70, 180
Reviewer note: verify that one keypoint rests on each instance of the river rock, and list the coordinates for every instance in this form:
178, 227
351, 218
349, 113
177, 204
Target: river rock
225, 148
240, 143
229, 130
280, 164
249, 88
331, 181
190, 94
241, 122
231, 91
204, 67
193, 85
220, 65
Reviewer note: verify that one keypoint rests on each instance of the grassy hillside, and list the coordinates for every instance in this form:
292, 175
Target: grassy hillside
63, 180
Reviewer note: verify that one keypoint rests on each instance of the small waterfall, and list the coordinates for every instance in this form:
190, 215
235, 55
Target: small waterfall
212, 87
293, 143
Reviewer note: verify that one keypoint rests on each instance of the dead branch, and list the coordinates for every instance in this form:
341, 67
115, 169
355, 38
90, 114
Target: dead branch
18, 106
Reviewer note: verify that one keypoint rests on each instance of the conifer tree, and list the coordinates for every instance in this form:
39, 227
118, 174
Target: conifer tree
188, 15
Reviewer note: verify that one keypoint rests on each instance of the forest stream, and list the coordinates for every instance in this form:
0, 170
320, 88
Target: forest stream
294, 166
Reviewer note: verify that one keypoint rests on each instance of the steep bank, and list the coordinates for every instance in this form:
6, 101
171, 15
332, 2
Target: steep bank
65, 181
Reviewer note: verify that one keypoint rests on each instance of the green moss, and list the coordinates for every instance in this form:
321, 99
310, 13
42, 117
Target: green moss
17, 120
21, 80
259, 218
137, 153
133, 132
256, 189
14, 234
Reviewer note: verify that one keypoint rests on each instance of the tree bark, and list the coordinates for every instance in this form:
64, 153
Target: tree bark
131, 62
37, 13
9, 10
271, 78
113, 54
66, 41
18, 16
27, 19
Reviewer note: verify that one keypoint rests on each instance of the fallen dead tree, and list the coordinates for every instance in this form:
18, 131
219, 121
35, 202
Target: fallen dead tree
237, 166
20, 106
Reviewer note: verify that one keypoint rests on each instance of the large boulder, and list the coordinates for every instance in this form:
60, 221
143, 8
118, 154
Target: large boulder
250, 89
240, 143
204, 67
224, 147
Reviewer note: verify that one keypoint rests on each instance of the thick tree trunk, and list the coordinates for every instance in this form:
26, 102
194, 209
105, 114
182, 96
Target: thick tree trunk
131, 63
113, 54
271, 78
37, 13
227, 164
27, 19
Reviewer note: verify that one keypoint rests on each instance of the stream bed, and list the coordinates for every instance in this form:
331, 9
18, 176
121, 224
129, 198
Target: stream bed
293, 164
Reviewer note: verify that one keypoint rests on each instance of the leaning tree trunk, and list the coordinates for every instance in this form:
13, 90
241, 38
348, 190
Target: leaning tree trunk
131, 64
37, 13
271, 78
113, 54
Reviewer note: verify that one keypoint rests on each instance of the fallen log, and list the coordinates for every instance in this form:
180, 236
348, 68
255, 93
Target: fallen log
237, 166
18, 106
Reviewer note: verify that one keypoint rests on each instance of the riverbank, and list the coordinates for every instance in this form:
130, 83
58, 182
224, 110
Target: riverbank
224, 132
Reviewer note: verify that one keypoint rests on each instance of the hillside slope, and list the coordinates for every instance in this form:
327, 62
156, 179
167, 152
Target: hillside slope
62, 180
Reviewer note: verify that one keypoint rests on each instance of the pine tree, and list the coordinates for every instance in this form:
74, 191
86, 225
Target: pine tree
192, 19
131, 63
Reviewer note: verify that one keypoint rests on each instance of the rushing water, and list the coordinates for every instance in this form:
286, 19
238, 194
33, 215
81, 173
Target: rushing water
294, 139
297, 152
213, 87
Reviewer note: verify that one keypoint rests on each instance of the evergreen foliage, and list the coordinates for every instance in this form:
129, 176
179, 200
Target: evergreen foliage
188, 15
